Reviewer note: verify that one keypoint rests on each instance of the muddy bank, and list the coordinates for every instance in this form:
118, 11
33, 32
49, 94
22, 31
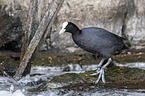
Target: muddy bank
56, 58
84, 58
116, 77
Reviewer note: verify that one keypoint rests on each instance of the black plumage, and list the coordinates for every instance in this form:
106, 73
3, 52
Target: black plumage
95, 40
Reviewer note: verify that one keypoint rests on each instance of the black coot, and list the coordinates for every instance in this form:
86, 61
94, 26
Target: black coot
97, 41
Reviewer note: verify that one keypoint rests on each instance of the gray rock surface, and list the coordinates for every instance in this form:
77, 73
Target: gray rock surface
122, 17
10, 32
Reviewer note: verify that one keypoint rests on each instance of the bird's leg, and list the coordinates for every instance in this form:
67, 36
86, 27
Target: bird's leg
99, 66
101, 62
101, 72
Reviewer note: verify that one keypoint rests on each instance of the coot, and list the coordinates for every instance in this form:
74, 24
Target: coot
97, 41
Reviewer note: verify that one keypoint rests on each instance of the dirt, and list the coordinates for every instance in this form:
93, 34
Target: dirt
116, 77
84, 58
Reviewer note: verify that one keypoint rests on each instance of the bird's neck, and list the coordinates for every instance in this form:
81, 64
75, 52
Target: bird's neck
77, 32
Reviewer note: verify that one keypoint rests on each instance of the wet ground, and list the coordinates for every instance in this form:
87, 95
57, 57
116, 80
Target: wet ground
84, 58
69, 74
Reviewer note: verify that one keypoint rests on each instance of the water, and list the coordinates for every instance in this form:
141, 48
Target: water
40, 75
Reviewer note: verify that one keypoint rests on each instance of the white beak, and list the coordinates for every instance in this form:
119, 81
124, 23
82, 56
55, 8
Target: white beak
62, 31
63, 27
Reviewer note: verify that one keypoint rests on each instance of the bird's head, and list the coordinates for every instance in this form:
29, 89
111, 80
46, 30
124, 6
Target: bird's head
69, 27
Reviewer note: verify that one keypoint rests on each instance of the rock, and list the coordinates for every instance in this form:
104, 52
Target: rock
8, 66
10, 32
135, 25
122, 17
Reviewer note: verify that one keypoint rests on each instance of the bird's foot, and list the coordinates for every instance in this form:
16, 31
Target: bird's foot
99, 71
101, 74
99, 65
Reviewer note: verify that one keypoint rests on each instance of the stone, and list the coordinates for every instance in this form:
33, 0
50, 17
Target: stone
135, 25
10, 32
122, 17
